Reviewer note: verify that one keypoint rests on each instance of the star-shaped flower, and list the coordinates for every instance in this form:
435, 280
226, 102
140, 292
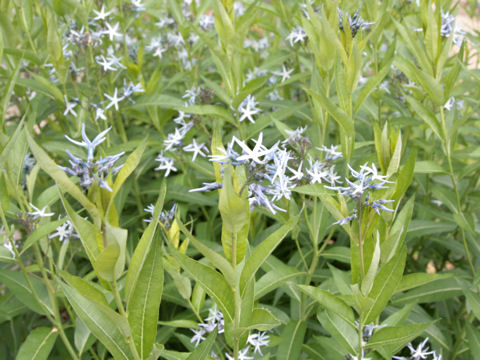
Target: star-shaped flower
101, 15
196, 148
112, 31
114, 100
284, 73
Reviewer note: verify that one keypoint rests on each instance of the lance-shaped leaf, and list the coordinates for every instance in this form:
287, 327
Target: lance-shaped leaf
331, 302
130, 164
141, 251
38, 344
144, 285
385, 284
215, 258
342, 331
108, 326
144, 302
292, 340
394, 338
262, 252
16, 283
213, 283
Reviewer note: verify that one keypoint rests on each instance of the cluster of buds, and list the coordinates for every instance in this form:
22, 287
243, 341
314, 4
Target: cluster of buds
89, 171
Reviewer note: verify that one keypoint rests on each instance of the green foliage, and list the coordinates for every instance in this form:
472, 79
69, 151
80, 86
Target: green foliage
222, 179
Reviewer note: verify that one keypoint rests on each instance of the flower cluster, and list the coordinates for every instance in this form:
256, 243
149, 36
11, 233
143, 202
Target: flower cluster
367, 180
174, 141
355, 22
272, 172
166, 217
448, 27
89, 171
214, 321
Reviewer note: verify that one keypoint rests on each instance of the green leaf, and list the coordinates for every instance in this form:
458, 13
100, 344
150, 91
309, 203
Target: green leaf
414, 280
85, 287
107, 262
419, 228
108, 326
372, 84
141, 251
398, 231
213, 283
342, 331
7, 93
52, 169
331, 302
338, 114
291, 346
262, 252
384, 285
130, 164
40, 232
262, 320
428, 167
38, 344
85, 229
144, 301
473, 336
83, 338
161, 100
274, 279
204, 349
215, 258
16, 283
426, 115
432, 292
473, 301
395, 337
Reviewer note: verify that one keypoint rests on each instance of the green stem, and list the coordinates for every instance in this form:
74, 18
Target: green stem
121, 309
53, 301
455, 187
360, 240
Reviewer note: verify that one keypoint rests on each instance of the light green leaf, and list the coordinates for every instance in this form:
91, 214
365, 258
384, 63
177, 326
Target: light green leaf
213, 283
144, 302
331, 302
141, 251
40, 232
107, 326
338, 114
215, 258
107, 262
414, 280
128, 167
384, 285
38, 345
291, 346
262, 252
16, 283
432, 292
395, 337
342, 331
